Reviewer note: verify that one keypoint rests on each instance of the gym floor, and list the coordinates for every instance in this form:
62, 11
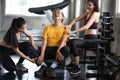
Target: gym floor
4, 75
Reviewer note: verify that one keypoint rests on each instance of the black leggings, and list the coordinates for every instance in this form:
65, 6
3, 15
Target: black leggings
73, 43
6, 60
28, 50
50, 52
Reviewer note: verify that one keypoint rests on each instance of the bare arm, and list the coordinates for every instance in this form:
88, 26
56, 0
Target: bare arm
62, 44
94, 16
41, 57
17, 51
77, 19
59, 55
64, 39
26, 32
44, 44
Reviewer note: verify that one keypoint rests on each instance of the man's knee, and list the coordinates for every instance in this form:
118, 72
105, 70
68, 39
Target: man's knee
65, 51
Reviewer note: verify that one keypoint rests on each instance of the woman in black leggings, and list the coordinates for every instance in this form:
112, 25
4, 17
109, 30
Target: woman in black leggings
91, 19
10, 44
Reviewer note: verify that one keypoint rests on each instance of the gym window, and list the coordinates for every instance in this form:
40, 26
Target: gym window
20, 7
117, 8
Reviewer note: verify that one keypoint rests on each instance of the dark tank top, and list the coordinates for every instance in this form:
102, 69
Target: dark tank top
93, 26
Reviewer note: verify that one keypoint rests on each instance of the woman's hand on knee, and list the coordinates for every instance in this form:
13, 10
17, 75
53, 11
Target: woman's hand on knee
31, 60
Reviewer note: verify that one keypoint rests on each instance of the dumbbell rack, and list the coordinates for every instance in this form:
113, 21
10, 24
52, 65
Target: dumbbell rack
107, 30
112, 65
106, 34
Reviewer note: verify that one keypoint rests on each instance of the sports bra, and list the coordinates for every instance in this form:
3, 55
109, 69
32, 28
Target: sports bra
93, 26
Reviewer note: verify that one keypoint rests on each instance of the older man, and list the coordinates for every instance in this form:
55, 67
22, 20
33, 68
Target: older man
53, 45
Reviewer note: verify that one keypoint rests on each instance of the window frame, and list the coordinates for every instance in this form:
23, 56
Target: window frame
117, 8
27, 13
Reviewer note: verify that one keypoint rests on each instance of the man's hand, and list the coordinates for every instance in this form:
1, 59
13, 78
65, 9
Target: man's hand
59, 56
40, 59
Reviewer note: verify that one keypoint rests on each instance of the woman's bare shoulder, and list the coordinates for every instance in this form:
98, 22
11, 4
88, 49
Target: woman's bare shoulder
96, 13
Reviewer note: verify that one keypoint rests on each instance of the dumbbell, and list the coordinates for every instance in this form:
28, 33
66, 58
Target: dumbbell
107, 38
104, 30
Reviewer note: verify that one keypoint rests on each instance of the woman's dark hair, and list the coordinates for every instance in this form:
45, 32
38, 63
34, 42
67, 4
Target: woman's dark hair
96, 4
10, 36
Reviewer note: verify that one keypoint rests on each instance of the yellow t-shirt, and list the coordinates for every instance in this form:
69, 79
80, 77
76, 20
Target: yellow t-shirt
54, 35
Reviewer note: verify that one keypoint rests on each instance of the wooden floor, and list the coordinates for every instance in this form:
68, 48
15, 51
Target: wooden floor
17, 75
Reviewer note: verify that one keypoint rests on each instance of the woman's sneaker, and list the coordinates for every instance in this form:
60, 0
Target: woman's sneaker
75, 71
71, 67
21, 68
51, 72
41, 71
